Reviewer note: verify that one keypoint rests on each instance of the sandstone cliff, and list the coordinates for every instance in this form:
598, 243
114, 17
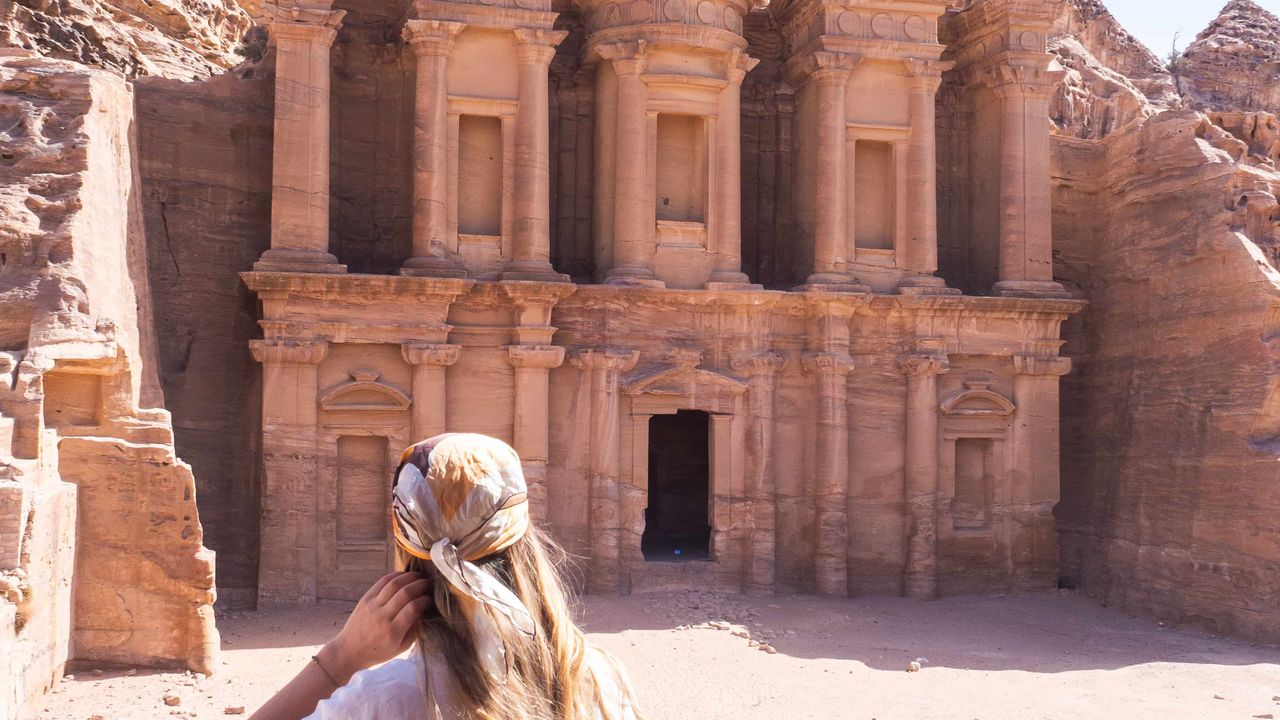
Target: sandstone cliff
1235, 63
188, 39
1166, 221
1111, 79
91, 491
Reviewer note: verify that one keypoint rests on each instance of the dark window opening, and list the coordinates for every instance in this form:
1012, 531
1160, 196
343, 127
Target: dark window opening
676, 523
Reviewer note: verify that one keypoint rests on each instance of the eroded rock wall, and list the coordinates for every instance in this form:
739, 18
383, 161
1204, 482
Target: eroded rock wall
78, 359
1170, 487
1234, 64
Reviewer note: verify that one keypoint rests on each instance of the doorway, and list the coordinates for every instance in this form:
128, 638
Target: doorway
677, 522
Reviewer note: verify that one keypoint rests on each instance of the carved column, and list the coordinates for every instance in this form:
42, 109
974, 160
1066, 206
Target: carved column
300, 151
633, 222
533, 364
761, 370
1026, 208
829, 78
288, 559
604, 465
922, 471
831, 565
531, 252
432, 41
428, 414
727, 250
1035, 479
920, 252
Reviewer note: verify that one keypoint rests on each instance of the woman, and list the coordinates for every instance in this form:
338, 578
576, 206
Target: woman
481, 595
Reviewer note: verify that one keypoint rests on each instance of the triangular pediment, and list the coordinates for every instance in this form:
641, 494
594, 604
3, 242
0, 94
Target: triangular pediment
683, 380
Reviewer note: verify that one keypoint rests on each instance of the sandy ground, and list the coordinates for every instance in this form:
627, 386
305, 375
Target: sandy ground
1048, 656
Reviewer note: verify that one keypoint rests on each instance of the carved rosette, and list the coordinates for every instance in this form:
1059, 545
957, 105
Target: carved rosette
289, 352
872, 24
442, 355
544, 357
724, 15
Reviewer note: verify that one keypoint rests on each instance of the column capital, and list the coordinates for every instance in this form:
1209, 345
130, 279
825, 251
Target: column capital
924, 365
1056, 366
737, 65
1010, 80
537, 46
827, 363
607, 358
824, 66
759, 363
925, 75
431, 37
542, 357
304, 24
628, 58
440, 354
294, 352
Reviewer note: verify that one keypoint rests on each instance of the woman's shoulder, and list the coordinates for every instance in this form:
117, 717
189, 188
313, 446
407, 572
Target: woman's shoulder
390, 690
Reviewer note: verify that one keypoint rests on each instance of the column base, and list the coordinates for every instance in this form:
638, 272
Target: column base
729, 280
924, 285
633, 277
832, 282
296, 260
532, 270
1030, 289
433, 266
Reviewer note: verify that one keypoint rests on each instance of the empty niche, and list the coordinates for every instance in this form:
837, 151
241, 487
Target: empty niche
971, 504
362, 489
874, 195
682, 168
72, 399
479, 175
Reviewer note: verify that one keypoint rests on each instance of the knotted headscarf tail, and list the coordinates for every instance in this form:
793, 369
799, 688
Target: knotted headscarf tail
457, 498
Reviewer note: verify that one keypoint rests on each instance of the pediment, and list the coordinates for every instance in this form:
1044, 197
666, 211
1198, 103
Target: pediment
682, 381
365, 391
977, 402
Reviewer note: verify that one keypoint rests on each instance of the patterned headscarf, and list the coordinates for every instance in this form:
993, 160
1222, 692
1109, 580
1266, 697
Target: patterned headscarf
456, 498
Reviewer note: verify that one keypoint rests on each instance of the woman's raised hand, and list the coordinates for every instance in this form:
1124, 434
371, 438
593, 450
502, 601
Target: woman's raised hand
381, 626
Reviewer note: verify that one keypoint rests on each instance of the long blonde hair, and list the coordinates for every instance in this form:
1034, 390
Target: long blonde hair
550, 675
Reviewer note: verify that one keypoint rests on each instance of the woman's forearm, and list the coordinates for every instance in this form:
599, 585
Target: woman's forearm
299, 698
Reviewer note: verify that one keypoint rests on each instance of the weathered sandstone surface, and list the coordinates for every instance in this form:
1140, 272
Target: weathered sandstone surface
1234, 64
100, 543
1167, 223
188, 39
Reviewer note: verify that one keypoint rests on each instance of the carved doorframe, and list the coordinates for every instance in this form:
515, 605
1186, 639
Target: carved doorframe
680, 385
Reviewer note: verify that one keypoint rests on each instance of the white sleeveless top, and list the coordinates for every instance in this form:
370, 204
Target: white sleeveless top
394, 691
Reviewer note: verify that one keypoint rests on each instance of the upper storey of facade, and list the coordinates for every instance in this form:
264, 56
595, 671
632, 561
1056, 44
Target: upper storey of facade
609, 142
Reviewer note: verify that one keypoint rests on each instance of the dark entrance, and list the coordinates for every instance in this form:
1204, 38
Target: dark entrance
676, 525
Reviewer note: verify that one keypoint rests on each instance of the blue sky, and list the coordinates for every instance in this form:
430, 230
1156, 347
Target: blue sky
1155, 22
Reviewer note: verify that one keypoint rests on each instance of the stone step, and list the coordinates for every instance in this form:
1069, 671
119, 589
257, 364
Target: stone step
665, 576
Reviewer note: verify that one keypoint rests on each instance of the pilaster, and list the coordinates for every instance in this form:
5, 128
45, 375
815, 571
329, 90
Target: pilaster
919, 255
428, 415
1035, 471
604, 464
831, 463
922, 370
761, 369
288, 557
